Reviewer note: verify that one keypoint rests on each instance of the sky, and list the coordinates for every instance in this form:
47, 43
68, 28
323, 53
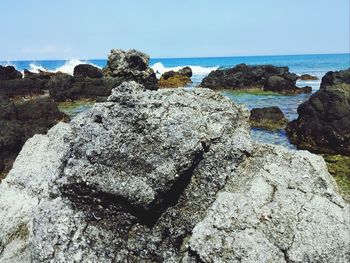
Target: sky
88, 29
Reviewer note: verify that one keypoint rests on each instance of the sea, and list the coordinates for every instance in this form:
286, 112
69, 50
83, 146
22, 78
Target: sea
317, 65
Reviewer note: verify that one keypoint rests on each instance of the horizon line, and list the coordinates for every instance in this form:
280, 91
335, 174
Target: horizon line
181, 57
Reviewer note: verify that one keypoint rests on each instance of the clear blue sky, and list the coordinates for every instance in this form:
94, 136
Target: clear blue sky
62, 29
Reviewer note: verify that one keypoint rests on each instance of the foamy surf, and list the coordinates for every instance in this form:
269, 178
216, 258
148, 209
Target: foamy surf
67, 67
159, 69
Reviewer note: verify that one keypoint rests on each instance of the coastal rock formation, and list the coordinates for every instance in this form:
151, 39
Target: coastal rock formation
244, 77
167, 176
20, 121
176, 79
270, 118
9, 72
131, 65
87, 82
307, 77
323, 124
87, 71
23, 87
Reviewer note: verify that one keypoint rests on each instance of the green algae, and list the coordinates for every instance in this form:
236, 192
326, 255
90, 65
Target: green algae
255, 91
339, 167
72, 108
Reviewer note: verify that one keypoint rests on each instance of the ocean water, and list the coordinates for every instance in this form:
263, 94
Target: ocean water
316, 65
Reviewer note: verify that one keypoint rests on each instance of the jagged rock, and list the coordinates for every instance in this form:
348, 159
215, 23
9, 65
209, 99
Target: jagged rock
20, 121
9, 72
307, 77
131, 65
176, 79
41, 75
23, 87
159, 176
267, 118
87, 71
323, 124
243, 77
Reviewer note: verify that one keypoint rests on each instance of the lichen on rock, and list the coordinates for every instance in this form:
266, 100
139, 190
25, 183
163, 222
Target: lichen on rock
167, 176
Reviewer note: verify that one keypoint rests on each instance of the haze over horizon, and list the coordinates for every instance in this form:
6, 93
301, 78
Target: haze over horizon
42, 30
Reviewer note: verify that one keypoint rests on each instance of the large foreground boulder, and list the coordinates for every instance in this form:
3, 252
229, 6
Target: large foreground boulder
262, 77
323, 124
176, 79
21, 120
168, 176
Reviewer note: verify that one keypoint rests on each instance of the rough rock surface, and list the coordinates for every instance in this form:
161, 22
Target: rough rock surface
131, 65
9, 72
323, 124
167, 176
87, 71
267, 118
20, 121
244, 77
176, 79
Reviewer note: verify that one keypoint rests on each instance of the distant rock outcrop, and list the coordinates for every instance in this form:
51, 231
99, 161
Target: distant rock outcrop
307, 77
87, 71
323, 124
20, 121
9, 72
270, 118
176, 79
244, 77
168, 176
88, 83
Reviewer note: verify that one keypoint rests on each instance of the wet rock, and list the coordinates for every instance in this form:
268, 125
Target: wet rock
307, 77
87, 71
176, 79
270, 118
244, 77
323, 124
167, 176
21, 120
9, 72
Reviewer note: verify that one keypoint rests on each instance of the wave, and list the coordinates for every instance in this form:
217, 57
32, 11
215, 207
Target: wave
67, 67
196, 70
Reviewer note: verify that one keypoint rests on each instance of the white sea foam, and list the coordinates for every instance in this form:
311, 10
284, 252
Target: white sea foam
196, 70
67, 67
35, 68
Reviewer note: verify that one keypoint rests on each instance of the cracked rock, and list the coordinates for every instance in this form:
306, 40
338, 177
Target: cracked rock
167, 176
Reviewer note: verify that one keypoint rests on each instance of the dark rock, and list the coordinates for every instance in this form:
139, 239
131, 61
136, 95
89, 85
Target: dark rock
21, 120
23, 87
323, 124
307, 77
9, 72
243, 77
268, 118
186, 71
175, 79
307, 89
41, 75
87, 71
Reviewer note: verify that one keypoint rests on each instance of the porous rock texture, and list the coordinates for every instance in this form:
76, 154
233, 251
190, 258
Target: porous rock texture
323, 124
167, 176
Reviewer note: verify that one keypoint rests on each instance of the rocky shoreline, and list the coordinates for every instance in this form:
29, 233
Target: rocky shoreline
169, 174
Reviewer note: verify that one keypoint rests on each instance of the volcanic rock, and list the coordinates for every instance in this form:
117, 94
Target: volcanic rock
168, 176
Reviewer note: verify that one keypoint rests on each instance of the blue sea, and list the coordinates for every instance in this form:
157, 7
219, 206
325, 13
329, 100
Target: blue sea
316, 65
